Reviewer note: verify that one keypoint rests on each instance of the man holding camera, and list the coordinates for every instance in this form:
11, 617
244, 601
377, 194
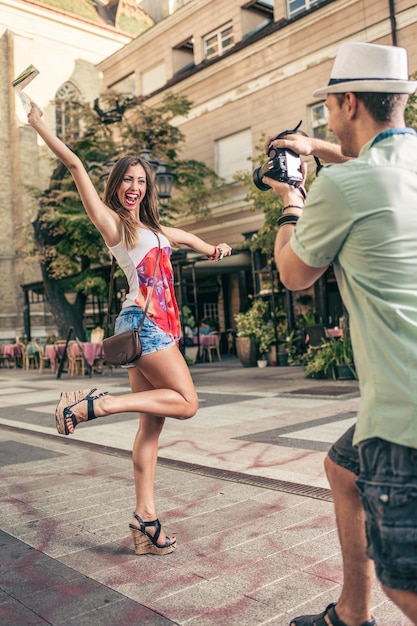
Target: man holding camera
361, 215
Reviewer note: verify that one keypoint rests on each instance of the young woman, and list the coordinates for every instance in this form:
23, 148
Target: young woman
160, 380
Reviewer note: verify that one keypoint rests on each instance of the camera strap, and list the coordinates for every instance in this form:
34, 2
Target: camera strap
298, 186
393, 131
295, 131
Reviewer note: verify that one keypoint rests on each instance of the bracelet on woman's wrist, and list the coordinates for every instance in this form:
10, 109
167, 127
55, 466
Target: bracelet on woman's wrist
217, 256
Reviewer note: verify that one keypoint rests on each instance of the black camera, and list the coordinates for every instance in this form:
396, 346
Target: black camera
283, 165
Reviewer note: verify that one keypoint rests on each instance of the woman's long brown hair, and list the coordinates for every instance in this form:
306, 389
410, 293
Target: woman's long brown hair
148, 210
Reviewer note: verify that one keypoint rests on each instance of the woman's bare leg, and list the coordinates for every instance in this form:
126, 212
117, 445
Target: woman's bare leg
171, 392
144, 456
161, 385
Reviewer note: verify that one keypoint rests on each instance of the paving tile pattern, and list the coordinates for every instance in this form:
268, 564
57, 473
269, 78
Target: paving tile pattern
250, 552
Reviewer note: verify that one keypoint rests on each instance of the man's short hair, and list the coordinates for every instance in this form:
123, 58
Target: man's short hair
381, 106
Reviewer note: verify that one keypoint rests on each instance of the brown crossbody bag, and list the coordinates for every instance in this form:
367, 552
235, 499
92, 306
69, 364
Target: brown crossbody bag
126, 347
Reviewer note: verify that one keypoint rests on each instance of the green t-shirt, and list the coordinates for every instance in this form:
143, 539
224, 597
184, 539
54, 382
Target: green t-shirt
362, 216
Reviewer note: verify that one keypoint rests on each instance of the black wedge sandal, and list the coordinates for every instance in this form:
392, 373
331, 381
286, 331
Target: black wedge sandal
146, 543
67, 401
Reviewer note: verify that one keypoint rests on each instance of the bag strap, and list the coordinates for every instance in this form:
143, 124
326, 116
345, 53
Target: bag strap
148, 299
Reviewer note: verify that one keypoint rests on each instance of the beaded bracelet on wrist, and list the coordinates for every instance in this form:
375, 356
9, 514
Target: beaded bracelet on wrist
217, 256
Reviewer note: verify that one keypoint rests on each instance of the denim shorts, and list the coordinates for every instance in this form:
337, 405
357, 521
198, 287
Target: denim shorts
344, 453
388, 487
151, 336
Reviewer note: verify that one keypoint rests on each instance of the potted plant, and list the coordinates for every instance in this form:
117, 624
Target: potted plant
287, 349
285, 339
317, 362
264, 339
255, 333
189, 326
333, 359
344, 365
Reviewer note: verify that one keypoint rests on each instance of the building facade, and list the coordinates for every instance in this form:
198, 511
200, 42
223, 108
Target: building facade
65, 47
249, 68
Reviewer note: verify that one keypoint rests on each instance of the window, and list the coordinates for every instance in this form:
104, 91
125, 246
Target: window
174, 5
233, 154
255, 16
296, 7
216, 43
318, 115
153, 79
125, 85
183, 57
211, 311
66, 124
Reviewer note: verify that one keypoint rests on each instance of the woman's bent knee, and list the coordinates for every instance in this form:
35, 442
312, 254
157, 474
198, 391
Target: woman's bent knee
191, 409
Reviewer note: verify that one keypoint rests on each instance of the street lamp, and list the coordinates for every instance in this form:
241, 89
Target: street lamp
164, 178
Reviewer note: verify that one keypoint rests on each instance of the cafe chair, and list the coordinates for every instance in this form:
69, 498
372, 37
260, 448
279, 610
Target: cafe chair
230, 334
19, 357
30, 356
43, 359
315, 333
76, 364
213, 347
97, 335
100, 365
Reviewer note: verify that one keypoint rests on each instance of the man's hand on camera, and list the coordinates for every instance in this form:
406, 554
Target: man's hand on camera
308, 146
288, 193
300, 144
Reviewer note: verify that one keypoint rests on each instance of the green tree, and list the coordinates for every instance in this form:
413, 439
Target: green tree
72, 253
411, 109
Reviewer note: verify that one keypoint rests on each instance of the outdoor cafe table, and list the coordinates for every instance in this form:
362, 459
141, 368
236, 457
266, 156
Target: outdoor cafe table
13, 351
206, 340
337, 333
54, 352
91, 351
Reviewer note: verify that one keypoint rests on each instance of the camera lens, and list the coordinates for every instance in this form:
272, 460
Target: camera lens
257, 179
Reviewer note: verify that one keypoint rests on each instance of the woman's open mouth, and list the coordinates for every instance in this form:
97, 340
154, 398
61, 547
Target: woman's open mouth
131, 199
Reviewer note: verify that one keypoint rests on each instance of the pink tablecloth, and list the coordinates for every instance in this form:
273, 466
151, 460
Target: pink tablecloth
206, 340
54, 351
91, 350
337, 333
12, 350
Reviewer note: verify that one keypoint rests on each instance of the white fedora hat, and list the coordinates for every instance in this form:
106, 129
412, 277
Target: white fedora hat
369, 67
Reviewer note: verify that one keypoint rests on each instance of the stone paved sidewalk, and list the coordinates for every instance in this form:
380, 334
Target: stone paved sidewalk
241, 486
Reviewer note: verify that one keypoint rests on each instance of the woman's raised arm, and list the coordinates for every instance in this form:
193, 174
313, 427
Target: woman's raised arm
105, 220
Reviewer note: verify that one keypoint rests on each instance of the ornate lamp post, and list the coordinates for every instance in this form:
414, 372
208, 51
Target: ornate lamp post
164, 178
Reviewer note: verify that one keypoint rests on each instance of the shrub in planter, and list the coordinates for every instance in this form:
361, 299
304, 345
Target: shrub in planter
246, 351
256, 325
324, 360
